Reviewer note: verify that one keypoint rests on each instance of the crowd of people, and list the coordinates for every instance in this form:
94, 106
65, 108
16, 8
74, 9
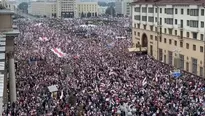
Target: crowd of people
96, 75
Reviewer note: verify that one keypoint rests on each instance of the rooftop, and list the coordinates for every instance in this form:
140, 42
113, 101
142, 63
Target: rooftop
171, 2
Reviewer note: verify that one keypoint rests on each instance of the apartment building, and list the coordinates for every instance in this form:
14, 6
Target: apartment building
42, 8
87, 8
172, 31
122, 7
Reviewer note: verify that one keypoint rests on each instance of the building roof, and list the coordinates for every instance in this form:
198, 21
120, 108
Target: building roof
171, 2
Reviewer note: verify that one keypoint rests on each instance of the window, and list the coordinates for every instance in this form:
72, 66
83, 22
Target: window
187, 11
134, 32
134, 25
156, 29
187, 66
182, 11
181, 44
175, 32
155, 10
193, 23
160, 10
160, 54
168, 21
151, 50
202, 12
194, 12
155, 19
169, 10
175, 11
175, 43
160, 39
144, 18
194, 65
181, 61
194, 35
145, 26
194, 47
187, 46
138, 26
187, 34
201, 71
170, 31
202, 24
187, 22
202, 37
151, 28
151, 19
165, 30
170, 41
137, 9
138, 33
144, 9
155, 38
170, 57
137, 17
175, 21
151, 37
201, 49
165, 40
151, 10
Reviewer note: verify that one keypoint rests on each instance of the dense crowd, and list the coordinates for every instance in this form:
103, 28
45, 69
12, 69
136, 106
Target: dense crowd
98, 76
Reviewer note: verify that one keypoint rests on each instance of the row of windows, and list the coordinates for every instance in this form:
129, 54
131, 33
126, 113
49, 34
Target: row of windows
191, 12
170, 41
170, 32
179, 63
190, 23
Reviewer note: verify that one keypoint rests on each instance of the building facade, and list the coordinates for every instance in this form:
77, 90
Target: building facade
173, 32
47, 9
66, 8
123, 7
87, 8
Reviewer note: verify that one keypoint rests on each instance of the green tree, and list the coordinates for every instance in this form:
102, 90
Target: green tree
88, 14
23, 7
110, 11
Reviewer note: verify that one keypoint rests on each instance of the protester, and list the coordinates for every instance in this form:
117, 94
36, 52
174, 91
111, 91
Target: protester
95, 74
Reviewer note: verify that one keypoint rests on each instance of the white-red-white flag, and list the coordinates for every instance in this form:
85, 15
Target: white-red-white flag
43, 39
58, 52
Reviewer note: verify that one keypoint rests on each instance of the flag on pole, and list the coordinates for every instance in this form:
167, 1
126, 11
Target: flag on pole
144, 82
43, 39
58, 52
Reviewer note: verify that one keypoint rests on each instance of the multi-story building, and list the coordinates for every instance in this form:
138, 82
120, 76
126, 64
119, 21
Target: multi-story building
66, 8
87, 8
47, 9
172, 31
122, 7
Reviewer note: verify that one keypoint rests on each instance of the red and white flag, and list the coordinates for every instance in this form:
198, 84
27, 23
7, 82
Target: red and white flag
43, 39
58, 52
